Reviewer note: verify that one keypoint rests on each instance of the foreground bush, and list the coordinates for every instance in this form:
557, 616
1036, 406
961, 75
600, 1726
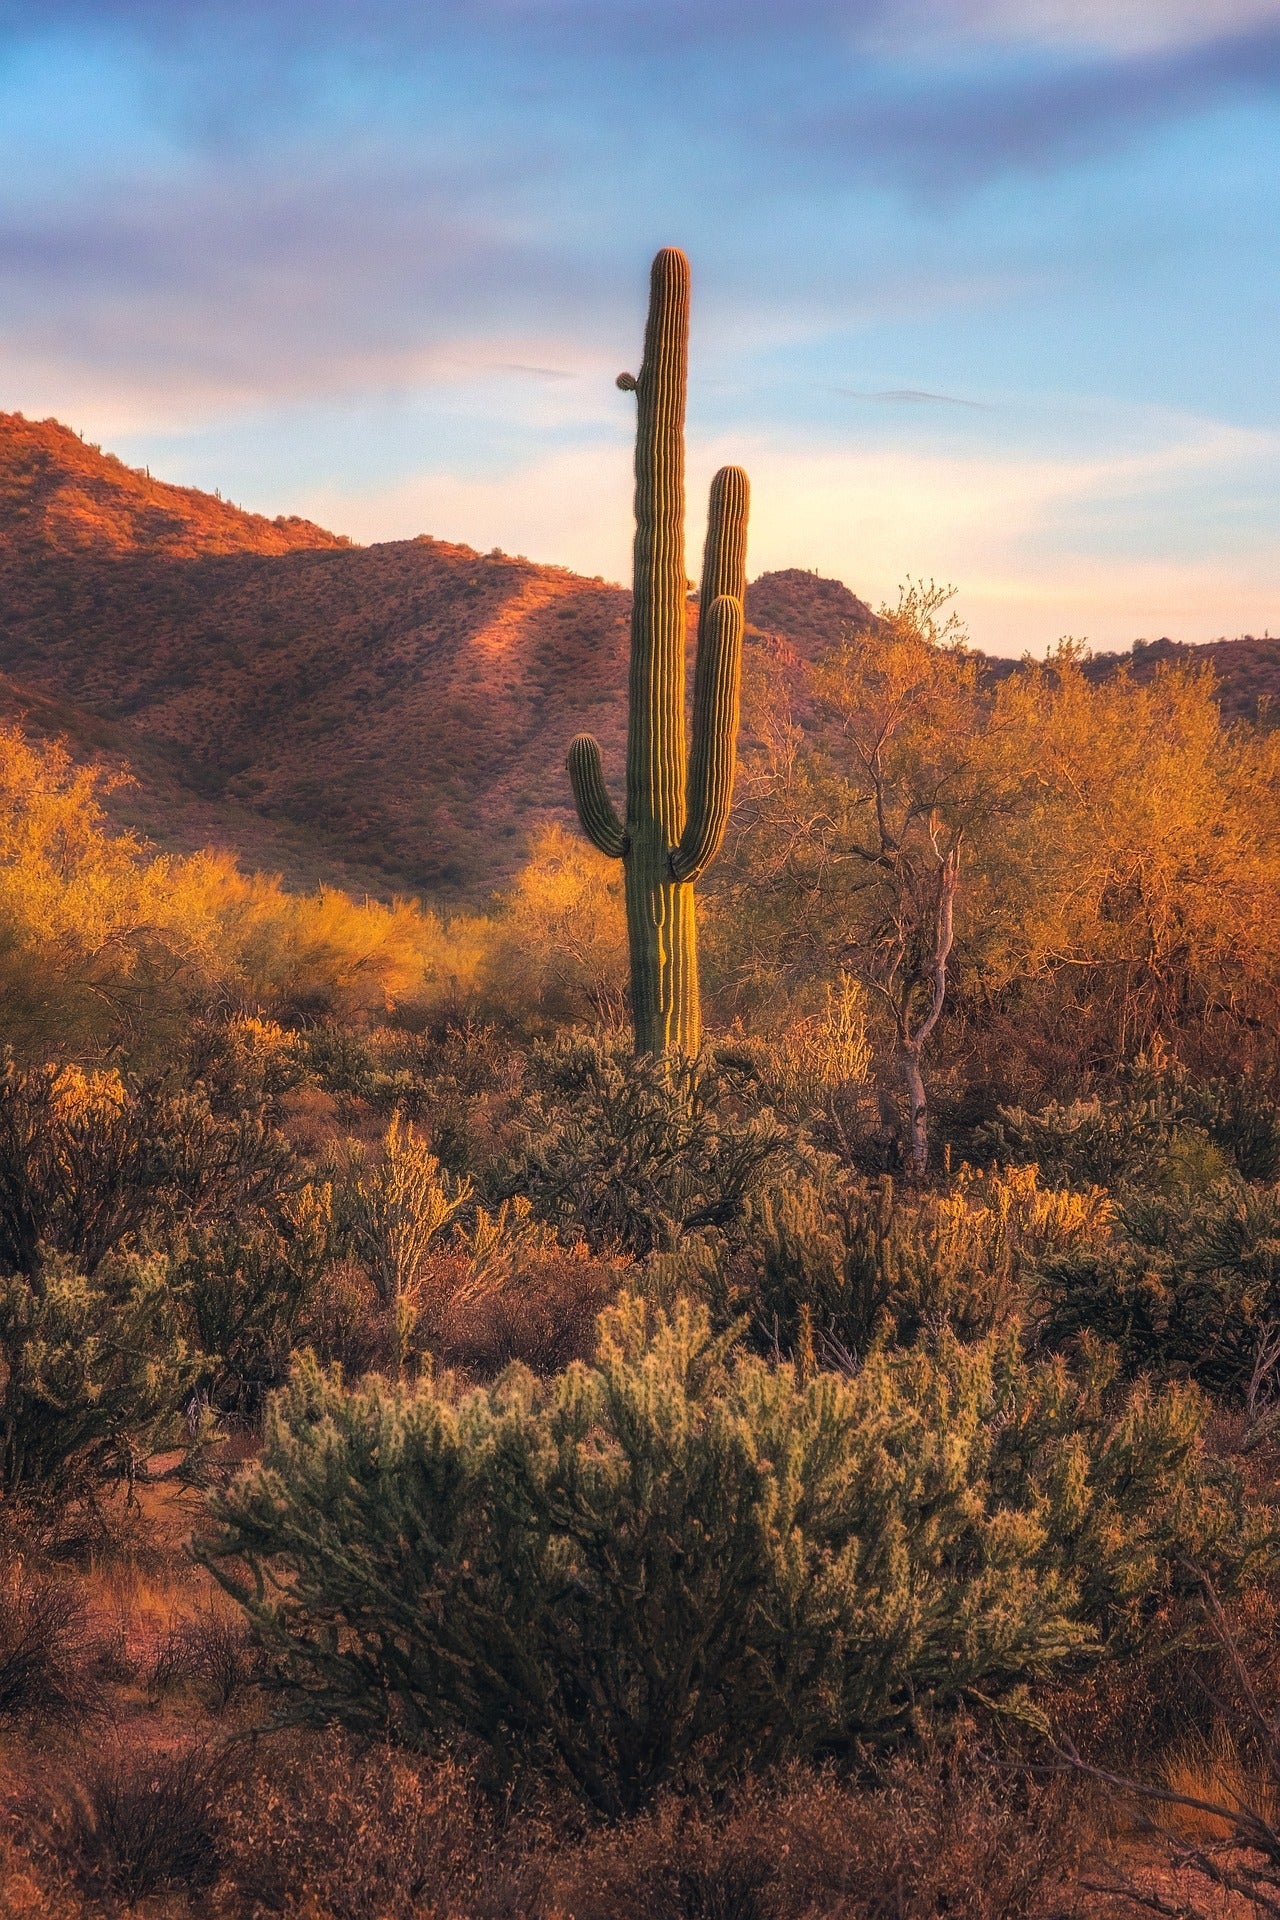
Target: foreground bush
248, 1281
91, 1163
326, 1827
44, 1663
1157, 1128
126, 1822
679, 1561
1187, 1283
329, 1829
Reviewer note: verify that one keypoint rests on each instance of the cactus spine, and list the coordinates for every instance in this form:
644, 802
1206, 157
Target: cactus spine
677, 807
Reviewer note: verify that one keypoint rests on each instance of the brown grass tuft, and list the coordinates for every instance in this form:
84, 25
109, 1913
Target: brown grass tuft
325, 1829
44, 1653
126, 1822
940, 1838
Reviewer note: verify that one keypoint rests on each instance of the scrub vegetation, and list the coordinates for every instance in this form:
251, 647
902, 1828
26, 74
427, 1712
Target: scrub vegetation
498, 1419
452, 1464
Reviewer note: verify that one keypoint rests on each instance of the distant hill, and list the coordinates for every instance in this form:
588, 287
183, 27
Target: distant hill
1247, 671
61, 494
386, 717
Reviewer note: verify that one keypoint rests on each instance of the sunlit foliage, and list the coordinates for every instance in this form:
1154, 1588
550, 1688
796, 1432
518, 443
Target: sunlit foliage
1115, 875
106, 944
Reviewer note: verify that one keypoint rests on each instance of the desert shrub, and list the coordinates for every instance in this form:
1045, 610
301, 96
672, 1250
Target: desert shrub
94, 1371
852, 1262
813, 1065
341, 1059
211, 1656
941, 1835
329, 1828
346, 1324
1158, 1129
1188, 1282
1085, 1143
127, 1822
453, 1080
28, 1893
1213, 1805
392, 1206
471, 1285
559, 947
323, 954
248, 1283
105, 944
90, 1162
537, 1303
245, 1063
637, 1152
44, 1668
677, 1559
428, 1271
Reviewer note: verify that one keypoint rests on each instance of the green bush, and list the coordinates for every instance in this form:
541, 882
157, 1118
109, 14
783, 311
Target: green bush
1156, 1129
94, 1372
637, 1152
91, 1162
1189, 1283
1085, 1143
248, 1282
843, 1262
677, 1561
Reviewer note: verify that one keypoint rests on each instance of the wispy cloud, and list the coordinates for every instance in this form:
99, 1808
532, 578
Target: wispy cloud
911, 397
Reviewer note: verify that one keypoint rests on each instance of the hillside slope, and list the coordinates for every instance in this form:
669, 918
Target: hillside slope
389, 717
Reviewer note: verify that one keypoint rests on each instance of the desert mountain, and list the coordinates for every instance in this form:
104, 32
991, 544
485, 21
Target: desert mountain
387, 717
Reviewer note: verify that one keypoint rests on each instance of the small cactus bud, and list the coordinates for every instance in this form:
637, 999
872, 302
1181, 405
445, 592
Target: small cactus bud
627, 382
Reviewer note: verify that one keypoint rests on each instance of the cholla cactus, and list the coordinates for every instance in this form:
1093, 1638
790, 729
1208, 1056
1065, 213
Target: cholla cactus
677, 808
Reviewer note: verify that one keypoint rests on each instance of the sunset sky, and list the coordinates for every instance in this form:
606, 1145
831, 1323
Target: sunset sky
988, 293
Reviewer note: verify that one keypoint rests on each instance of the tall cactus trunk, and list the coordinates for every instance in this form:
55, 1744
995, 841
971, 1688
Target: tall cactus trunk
660, 910
676, 813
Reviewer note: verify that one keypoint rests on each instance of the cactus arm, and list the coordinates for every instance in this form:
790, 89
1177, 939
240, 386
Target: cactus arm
724, 559
717, 676
600, 822
715, 733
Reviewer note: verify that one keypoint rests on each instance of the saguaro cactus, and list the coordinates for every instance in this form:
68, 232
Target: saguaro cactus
677, 808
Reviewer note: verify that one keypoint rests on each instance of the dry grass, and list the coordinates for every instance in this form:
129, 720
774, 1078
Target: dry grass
210, 1657
323, 1829
45, 1665
125, 1820
543, 1313
1216, 1771
941, 1837
28, 1894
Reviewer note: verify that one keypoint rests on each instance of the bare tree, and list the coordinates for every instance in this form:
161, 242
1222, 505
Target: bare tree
856, 825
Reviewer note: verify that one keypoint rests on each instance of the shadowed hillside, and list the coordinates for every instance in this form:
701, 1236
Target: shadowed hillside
388, 717
396, 714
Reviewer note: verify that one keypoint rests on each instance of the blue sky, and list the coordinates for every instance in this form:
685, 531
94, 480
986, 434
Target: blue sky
985, 290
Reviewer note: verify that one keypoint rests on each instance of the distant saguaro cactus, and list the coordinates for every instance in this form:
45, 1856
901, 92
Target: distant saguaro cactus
677, 808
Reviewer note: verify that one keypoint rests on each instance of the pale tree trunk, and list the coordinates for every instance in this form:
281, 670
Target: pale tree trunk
917, 1111
911, 1045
